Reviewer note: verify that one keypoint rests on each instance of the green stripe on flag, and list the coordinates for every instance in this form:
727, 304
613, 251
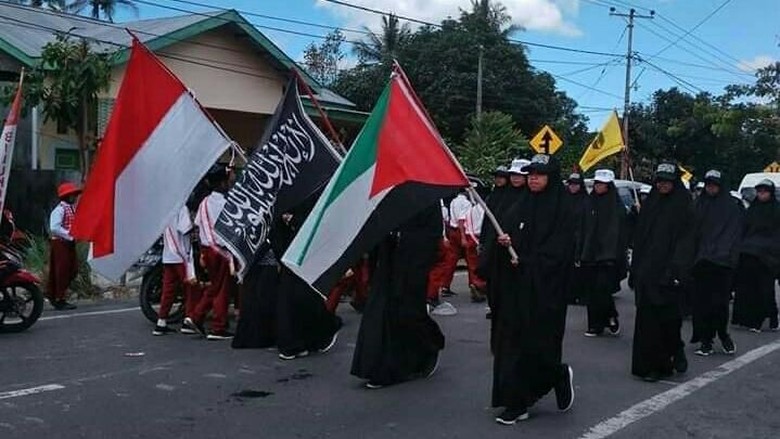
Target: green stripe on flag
360, 158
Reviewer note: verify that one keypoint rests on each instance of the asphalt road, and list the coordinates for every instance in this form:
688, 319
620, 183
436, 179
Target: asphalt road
98, 373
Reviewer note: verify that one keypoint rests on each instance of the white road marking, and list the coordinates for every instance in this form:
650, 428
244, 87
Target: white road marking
30, 391
659, 402
91, 313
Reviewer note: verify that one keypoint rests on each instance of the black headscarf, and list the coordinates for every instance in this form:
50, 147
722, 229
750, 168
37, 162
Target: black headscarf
761, 237
718, 229
603, 237
663, 244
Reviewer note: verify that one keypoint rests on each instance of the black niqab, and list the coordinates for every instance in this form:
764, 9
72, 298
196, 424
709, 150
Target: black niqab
761, 237
718, 229
604, 235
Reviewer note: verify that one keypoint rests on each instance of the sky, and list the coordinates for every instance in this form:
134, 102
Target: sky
696, 45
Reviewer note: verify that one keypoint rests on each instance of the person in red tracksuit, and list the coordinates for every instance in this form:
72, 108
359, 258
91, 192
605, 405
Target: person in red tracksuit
216, 260
461, 245
178, 270
63, 262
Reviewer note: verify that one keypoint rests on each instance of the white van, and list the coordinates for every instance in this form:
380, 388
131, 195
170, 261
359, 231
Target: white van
747, 189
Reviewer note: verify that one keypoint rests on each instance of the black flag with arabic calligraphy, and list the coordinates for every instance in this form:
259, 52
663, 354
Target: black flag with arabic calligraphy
292, 161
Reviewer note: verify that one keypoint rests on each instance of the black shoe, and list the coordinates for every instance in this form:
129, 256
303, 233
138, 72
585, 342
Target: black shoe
564, 389
592, 333
162, 330
651, 377
331, 342
614, 327
705, 350
729, 347
63, 306
374, 386
680, 362
197, 327
289, 357
476, 294
446, 292
220, 335
510, 416
431, 367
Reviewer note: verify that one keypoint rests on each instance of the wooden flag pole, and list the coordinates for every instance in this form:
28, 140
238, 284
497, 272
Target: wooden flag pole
324, 116
493, 221
515, 258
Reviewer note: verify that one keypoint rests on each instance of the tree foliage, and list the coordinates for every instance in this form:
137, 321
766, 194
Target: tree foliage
322, 61
66, 84
491, 140
441, 63
105, 9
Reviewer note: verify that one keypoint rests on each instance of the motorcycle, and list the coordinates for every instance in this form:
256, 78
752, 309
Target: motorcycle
21, 299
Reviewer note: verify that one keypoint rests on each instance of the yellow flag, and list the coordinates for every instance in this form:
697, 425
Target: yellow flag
609, 141
686, 174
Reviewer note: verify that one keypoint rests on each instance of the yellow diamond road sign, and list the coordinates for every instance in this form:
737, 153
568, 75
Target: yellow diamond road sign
773, 167
546, 141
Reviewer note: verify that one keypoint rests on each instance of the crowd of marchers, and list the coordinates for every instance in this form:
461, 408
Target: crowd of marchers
557, 244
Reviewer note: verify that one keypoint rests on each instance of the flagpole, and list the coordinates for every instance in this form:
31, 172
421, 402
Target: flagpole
399, 71
323, 115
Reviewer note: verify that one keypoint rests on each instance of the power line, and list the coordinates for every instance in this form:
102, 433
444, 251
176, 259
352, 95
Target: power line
716, 48
427, 23
689, 86
691, 30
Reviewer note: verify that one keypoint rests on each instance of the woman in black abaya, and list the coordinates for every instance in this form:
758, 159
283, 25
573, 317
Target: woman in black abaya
398, 340
256, 327
662, 258
759, 262
601, 251
530, 318
303, 323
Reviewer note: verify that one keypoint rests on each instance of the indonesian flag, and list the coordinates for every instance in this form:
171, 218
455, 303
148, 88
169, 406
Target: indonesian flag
397, 167
158, 144
7, 143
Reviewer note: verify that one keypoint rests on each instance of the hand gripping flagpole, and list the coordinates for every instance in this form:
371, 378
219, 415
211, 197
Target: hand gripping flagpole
397, 70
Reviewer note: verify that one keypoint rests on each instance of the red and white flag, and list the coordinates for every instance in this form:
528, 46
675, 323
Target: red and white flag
158, 144
7, 143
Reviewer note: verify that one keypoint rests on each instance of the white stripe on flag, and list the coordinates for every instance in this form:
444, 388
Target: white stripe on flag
341, 222
156, 183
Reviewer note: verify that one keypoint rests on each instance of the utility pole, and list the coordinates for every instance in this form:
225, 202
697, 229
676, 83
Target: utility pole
479, 81
624, 168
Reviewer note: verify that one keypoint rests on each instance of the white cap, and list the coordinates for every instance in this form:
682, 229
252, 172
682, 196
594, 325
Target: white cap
604, 176
518, 165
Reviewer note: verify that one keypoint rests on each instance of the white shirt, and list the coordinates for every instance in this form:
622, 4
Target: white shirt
177, 248
459, 209
56, 220
208, 213
474, 220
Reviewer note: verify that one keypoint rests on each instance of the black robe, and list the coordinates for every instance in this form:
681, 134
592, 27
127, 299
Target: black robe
718, 232
256, 327
398, 340
602, 242
580, 205
303, 323
663, 254
530, 316
759, 265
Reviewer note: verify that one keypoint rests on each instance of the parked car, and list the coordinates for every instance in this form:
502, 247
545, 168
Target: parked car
747, 188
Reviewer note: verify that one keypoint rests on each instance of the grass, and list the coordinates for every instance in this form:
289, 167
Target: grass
36, 259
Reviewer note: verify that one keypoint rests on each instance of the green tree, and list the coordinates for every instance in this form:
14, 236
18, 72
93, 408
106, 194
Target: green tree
105, 9
54, 5
322, 61
385, 47
491, 140
66, 83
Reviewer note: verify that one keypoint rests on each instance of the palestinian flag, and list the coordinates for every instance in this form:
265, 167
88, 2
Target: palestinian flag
398, 166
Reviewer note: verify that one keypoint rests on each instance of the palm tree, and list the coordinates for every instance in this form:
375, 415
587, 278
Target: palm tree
383, 48
102, 8
54, 5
